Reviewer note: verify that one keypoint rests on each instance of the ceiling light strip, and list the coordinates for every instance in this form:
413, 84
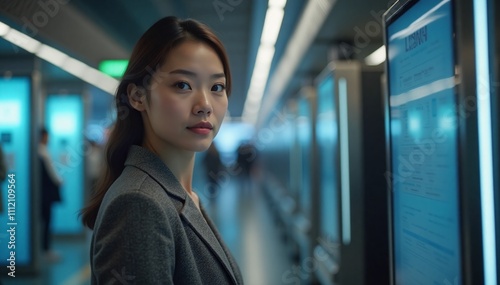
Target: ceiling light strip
60, 59
376, 57
265, 54
308, 27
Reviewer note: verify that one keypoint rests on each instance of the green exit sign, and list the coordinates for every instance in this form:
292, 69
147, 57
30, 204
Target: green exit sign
113, 67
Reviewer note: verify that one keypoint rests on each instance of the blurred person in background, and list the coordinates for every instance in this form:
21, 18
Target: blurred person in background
50, 193
245, 162
213, 166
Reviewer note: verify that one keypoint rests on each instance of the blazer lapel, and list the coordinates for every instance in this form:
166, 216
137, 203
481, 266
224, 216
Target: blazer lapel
148, 162
197, 222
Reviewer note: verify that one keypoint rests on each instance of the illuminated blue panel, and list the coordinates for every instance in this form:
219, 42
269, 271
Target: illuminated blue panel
424, 145
327, 138
15, 139
305, 136
485, 140
64, 120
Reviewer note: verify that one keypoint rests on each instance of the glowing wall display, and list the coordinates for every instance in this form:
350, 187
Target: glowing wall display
327, 138
305, 137
424, 145
15, 140
64, 121
486, 155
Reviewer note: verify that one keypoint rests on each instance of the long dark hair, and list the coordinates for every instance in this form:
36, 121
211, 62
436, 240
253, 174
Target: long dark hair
148, 55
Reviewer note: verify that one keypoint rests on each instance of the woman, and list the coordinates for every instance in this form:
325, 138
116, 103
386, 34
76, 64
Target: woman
149, 227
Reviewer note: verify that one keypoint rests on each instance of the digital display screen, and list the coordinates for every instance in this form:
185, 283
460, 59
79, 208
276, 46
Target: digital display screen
15, 116
423, 133
327, 138
64, 120
305, 134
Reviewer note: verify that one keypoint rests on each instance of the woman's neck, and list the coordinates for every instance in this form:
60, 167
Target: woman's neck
181, 163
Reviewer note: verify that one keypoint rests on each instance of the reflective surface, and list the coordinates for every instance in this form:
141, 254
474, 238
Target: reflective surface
424, 145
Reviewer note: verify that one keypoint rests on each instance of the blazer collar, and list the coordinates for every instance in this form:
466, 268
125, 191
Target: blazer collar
150, 163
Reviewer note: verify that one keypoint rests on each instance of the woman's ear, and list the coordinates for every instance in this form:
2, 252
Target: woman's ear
136, 97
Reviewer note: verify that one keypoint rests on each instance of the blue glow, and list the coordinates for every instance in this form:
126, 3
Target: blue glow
11, 113
63, 123
64, 117
396, 127
327, 140
305, 136
447, 123
15, 119
344, 162
232, 134
485, 141
425, 180
414, 124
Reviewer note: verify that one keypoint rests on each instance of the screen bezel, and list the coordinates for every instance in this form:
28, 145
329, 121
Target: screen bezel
390, 16
495, 55
306, 153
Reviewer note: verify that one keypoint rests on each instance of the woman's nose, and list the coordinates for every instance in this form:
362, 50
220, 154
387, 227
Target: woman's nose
202, 105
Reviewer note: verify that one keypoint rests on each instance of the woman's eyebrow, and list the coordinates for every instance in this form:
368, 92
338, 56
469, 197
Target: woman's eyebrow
193, 74
218, 75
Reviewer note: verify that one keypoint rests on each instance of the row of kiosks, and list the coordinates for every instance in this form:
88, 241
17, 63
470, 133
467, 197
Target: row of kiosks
338, 218
401, 189
24, 110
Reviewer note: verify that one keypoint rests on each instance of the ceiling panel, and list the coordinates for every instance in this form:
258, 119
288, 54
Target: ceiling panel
92, 30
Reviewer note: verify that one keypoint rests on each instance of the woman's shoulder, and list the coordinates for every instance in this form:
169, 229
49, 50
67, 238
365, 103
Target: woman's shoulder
136, 184
130, 178
136, 189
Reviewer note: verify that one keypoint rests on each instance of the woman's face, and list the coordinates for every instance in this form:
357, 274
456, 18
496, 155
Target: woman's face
187, 100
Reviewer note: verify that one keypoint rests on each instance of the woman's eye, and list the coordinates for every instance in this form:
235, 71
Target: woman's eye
218, 88
183, 85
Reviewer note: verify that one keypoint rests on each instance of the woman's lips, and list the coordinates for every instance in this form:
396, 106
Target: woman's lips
200, 131
201, 128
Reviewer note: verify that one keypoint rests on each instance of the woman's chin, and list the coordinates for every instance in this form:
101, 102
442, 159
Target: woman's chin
201, 147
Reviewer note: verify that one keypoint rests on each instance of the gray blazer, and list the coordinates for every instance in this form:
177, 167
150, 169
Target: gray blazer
149, 232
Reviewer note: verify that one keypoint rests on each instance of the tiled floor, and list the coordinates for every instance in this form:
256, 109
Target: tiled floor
247, 226
72, 269
242, 218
